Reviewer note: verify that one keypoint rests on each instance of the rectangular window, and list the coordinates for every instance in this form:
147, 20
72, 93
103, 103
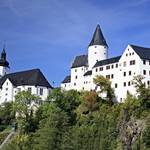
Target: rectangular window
76, 77
19, 89
75, 70
107, 67
6, 89
96, 70
116, 65
112, 76
74, 84
112, 66
144, 72
129, 73
41, 91
132, 62
124, 84
124, 74
108, 76
124, 64
101, 69
29, 89
148, 82
116, 85
129, 84
144, 62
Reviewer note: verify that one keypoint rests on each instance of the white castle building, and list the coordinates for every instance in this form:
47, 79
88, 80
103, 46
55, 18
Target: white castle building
134, 61
11, 83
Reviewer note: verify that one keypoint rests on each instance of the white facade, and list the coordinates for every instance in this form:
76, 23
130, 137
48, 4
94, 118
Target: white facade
8, 91
120, 70
96, 53
3, 70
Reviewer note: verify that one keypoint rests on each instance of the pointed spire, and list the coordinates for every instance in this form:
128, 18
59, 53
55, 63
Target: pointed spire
3, 54
3, 61
98, 38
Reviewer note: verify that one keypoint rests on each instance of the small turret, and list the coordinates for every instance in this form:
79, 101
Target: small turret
98, 48
4, 64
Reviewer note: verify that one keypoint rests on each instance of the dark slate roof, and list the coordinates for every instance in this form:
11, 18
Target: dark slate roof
107, 61
144, 53
88, 73
4, 63
67, 79
30, 77
80, 61
98, 38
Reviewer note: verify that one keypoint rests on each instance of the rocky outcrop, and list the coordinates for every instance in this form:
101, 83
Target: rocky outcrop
129, 130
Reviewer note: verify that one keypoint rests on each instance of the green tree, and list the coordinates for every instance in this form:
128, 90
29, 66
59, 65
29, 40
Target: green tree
142, 91
19, 142
6, 115
146, 137
25, 105
52, 130
105, 86
67, 101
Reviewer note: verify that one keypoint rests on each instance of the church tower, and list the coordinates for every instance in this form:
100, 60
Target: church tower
98, 48
4, 65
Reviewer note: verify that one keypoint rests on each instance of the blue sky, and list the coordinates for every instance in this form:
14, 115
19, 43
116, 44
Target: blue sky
48, 34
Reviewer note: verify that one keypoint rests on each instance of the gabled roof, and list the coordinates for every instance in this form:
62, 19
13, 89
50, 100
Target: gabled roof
144, 53
30, 77
88, 73
98, 38
107, 61
67, 79
80, 61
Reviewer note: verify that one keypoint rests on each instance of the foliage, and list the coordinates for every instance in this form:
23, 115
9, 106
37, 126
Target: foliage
142, 91
67, 101
51, 131
105, 86
19, 142
146, 137
6, 115
72, 120
24, 106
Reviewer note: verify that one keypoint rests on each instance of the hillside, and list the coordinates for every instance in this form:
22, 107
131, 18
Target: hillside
81, 121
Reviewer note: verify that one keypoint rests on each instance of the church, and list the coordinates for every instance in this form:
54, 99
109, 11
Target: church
12, 83
120, 70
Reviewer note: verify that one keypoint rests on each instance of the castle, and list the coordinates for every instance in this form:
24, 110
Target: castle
134, 61
12, 83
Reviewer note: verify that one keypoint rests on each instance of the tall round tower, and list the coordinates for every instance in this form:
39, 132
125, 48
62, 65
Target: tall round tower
98, 48
4, 64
